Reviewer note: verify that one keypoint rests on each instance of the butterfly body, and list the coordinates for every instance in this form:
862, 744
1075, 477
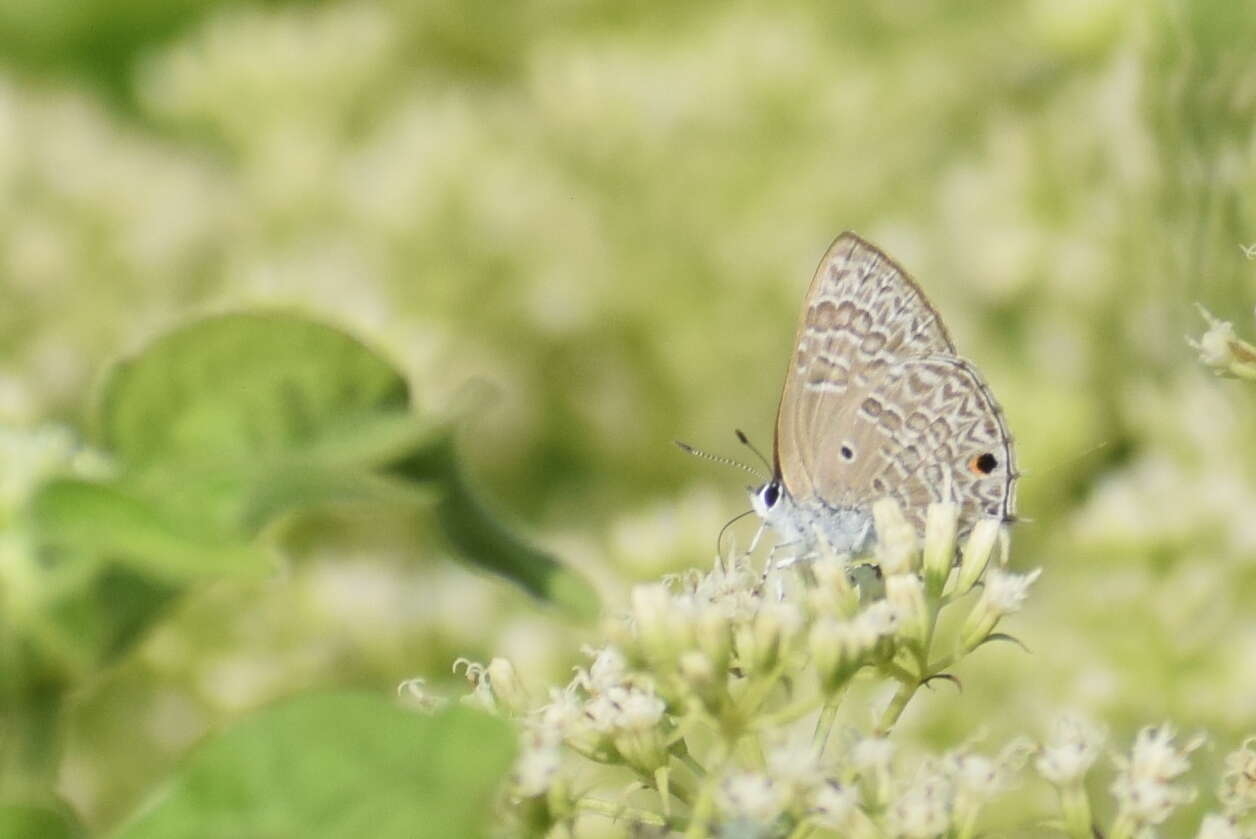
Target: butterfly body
877, 403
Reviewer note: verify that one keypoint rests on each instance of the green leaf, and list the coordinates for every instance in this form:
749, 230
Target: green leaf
332, 766
24, 821
481, 538
240, 388
105, 520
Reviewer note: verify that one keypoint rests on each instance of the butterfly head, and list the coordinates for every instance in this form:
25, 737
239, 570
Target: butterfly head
768, 500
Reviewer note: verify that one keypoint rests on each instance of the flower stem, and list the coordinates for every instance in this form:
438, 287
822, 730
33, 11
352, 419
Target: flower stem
619, 811
906, 690
824, 725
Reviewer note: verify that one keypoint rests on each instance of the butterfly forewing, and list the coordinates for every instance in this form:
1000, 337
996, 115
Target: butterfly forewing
877, 403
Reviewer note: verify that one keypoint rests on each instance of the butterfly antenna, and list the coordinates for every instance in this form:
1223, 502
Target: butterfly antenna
745, 441
728, 461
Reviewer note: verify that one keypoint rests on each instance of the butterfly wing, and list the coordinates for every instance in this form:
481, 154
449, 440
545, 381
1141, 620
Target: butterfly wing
861, 314
929, 430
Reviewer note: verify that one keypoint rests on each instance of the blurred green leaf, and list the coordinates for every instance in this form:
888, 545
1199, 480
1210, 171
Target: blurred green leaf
26, 821
240, 388
480, 537
230, 422
342, 765
105, 520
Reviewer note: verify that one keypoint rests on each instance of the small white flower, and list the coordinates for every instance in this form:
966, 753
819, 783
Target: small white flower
1005, 593
896, 538
906, 595
1218, 827
608, 669
1143, 789
539, 761
872, 754
639, 711
924, 809
833, 806
1238, 783
976, 776
879, 620
752, 796
661, 621
1072, 749
795, 767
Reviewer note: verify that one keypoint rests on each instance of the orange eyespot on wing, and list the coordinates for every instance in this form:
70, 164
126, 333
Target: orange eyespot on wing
983, 464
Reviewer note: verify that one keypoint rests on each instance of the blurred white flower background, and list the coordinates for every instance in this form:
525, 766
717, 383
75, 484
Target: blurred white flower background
608, 213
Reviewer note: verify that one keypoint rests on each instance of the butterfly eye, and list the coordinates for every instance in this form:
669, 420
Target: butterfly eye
771, 494
983, 464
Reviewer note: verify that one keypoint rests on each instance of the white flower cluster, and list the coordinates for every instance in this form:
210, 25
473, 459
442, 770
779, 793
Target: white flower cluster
706, 671
715, 695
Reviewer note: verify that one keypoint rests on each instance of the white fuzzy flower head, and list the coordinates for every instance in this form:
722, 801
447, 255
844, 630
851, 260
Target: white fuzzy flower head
879, 620
608, 669
924, 809
1219, 827
539, 760
833, 806
1005, 593
976, 777
1071, 750
873, 754
1143, 787
752, 797
1238, 783
873, 759
795, 768
639, 711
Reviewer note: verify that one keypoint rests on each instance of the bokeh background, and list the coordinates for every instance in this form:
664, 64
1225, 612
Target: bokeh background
607, 213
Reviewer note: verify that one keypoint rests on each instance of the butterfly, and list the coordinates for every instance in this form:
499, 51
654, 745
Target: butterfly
878, 404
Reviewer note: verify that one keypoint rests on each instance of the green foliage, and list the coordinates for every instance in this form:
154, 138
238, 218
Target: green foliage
24, 821
211, 434
336, 766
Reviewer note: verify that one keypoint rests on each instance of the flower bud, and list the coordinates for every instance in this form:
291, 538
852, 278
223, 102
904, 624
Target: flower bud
713, 630
906, 593
774, 627
976, 553
833, 593
507, 688
663, 622
896, 538
939, 554
837, 651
